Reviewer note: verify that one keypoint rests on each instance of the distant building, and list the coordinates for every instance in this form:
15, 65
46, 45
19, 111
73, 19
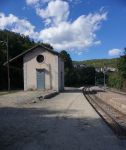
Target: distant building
111, 69
106, 69
80, 66
43, 69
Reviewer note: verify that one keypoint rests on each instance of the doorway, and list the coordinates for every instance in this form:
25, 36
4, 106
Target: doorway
40, 74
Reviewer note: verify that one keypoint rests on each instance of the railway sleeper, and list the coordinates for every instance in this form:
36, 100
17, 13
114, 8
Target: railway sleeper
117, 128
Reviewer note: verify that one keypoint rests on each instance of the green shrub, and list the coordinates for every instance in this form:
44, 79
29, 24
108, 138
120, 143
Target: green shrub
115, 80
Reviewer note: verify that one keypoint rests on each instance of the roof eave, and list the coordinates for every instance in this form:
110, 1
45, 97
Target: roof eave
27, 51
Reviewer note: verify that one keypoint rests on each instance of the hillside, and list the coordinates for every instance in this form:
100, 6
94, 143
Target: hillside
99, 62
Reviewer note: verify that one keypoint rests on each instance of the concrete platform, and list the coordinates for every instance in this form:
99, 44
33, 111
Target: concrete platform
25, 97
64, 122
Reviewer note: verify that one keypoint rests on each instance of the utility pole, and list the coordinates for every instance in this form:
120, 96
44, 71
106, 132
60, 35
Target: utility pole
8, 65
95, 78
104, 77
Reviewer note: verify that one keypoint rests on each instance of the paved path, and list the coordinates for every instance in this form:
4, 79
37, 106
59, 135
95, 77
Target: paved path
66, 122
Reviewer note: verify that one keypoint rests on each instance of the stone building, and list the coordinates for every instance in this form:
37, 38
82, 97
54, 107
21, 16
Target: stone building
43, 68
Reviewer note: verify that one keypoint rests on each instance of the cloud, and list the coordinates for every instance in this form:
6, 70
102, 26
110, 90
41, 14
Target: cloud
15, 24
75, 1
56, 12
79, 53
61, 33
114, 52
79, 34
64, 34
31, 2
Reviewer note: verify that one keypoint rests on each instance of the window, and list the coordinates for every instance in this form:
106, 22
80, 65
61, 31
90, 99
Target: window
40, 58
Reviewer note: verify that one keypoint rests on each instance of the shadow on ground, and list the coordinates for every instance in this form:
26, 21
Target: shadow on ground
42, 129
88, 90
72, 91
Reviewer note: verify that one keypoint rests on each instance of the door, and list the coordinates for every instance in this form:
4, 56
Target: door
40, 78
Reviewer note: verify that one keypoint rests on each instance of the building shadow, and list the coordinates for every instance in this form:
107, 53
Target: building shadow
72, 90
45, 129
90, 90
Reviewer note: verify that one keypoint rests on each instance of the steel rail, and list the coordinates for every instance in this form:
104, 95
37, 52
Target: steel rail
113, 124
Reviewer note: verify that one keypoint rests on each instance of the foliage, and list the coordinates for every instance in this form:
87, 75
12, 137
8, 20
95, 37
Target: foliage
67, 60
118, 79
122, 65
99, 78
73, 76
99, 63
86, 76
122, 68
68, 66
16, 44
115, 80
76, 76
46, 45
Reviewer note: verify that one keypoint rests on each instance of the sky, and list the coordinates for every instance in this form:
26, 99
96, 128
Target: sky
87, 29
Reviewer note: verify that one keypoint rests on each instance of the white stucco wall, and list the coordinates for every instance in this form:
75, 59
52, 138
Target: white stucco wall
51, 65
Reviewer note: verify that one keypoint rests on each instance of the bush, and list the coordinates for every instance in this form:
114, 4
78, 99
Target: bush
115, 80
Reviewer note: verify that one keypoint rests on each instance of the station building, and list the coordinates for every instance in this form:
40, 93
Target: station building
43, 69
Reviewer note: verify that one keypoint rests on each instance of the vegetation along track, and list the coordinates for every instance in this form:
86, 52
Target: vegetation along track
106, 112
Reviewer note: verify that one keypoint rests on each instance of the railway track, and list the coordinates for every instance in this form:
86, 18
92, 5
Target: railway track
107, 113
118, 92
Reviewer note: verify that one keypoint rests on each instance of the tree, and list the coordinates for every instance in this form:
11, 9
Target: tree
122, 65
67, 59
122, 68
77, 76
118, 79
46, 45
115, 80
17, 44
68, 66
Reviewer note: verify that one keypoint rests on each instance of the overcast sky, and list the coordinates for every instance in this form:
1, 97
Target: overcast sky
87, 29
